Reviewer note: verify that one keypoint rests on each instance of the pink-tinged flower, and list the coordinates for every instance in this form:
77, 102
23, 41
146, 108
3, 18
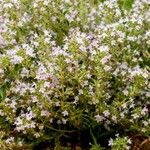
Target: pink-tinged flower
99, 118
110, 142
144, 111
29, 115
16, 59
45, 113
105, 59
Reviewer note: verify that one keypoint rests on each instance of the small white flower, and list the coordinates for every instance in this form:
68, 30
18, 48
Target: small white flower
8, 5
41, 127
37, 135
67, 1
57, 104
51, 120
64, 121
114, 118
9, 140
135, 116
1, 113
124, 105
129, 141
145, 123
65, 113
143, 130
125, 92
58, 122
13, 104
88, 76
80, 91
104, 48
105, 59
107, 68
76, 98
35, 5
1, 71
122, 115
110, 142
18, 121
32, 125
46, 3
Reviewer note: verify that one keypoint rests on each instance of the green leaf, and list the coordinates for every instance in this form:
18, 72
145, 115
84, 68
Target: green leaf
127, 4
2, 93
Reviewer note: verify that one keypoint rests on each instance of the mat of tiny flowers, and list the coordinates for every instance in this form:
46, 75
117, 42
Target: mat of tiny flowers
70, 65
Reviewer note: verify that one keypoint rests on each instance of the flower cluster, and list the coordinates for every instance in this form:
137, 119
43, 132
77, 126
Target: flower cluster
71, 64
120, 143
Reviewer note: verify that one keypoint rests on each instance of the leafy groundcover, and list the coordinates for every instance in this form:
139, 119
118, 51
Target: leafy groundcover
74, 74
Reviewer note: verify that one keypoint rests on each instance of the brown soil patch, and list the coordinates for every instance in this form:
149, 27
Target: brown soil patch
140, 142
